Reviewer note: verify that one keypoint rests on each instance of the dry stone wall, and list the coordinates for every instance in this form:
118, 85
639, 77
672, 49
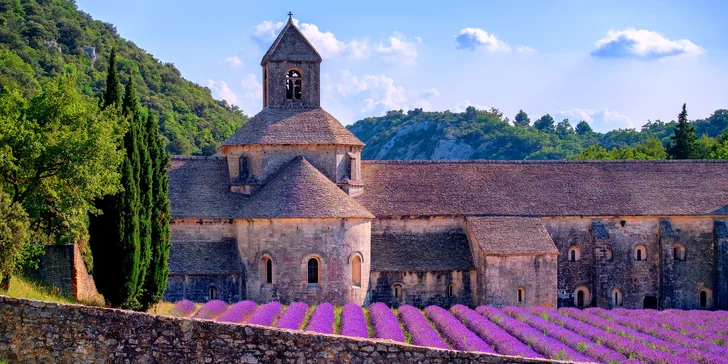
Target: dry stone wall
33, 331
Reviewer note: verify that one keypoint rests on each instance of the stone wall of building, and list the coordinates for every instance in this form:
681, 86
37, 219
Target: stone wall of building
423, 288
535, 274
197, 288
196, 230
721, 265
310, 90
290, 243
41, 332
62, 267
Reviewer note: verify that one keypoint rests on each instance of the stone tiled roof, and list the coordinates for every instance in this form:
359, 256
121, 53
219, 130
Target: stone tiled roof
291, 45
502, 235
220, 257
400, 251
274, 125
199, 188
299, 190
558, 188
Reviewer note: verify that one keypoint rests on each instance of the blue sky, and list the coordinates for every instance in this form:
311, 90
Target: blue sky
615, 64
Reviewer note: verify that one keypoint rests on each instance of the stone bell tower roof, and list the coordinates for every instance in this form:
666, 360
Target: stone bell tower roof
291, 46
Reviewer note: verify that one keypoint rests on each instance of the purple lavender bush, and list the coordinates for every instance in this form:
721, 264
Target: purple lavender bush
238, 312
183, 308
502, 341
456, 333
568, 337
422, 332
547, 346
385, 323
353, 322
211, 310
293, 316
322, 319
265, 314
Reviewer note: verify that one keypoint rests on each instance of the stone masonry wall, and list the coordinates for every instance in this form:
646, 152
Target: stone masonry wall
33, 331
62, 267
422, 289
504, 275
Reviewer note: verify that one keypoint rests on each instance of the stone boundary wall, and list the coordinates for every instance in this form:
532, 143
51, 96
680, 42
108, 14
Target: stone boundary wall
62, 267
34, 331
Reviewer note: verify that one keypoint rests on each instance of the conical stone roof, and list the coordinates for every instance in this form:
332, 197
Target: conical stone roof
299, 190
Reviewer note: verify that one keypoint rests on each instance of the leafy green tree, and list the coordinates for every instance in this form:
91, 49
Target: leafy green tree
157, 273
522, 119
583, 128
564, 127
704, 146
112, 96
545, 122
13, 234
652, 149
683, 140
720, 151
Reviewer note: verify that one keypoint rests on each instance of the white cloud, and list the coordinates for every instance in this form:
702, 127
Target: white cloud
233, 62
461, 106
399, 49
382, 94
600, 120
642, 44
396, 49
475, 38
525, 50
221, 90
253, 88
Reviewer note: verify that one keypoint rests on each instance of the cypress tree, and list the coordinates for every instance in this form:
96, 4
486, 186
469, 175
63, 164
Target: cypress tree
156, 275
112, 96
132, 109
684, 141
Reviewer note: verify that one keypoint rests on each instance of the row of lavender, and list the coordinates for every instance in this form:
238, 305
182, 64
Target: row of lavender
592, 335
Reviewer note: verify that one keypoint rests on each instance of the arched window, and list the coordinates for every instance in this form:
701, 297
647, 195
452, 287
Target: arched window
268, 269
609, 254
313, 271
640, 253
398, 291
294, 80
705, 298
451, 290
574, 254
356, 271
581, 297
616, 297
521, 295
212, 294
678, 251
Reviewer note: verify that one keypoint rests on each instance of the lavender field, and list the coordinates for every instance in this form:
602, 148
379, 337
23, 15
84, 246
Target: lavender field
591, 335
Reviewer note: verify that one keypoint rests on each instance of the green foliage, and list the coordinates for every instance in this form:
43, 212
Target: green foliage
157, 271
13, 234
545, 122
684, 141
58, 152
40, 40
480, 134
112, 96
522, 119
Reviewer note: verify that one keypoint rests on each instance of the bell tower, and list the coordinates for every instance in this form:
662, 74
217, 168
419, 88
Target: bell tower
291, 71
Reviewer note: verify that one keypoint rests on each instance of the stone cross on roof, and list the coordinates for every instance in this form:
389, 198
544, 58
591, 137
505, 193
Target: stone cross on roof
290, 15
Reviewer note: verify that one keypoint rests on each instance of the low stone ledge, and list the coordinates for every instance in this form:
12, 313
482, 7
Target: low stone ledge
35, 331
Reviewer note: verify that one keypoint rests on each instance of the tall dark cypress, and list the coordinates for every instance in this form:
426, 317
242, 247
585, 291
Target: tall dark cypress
132, 109
157, 273
684, 141
112, 96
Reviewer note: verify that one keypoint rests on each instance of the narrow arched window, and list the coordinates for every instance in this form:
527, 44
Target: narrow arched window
269, 271
294, 84
703, 299
521, 295
451, 290
313, 271
398, 291
581, 296
609, 254
640, 253
617, 297
212, 294
574, 254
356, 271
678, 251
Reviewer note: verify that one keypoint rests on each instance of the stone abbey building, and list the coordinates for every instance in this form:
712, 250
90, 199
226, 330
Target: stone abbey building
288, 211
